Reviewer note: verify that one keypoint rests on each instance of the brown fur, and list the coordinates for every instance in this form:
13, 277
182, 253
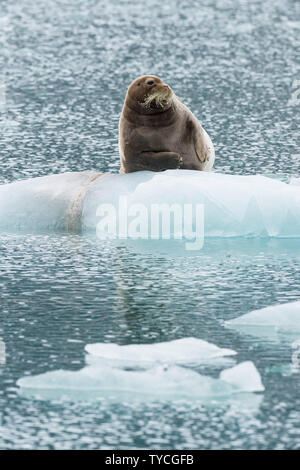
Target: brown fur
157, 132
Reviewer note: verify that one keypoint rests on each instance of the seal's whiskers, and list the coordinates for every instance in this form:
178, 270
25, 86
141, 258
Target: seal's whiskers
160, 97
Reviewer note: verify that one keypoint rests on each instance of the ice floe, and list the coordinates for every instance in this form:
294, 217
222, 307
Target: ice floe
234, 205
244, 376
145, 372
184, 351
275, 322
48, 203
157, 383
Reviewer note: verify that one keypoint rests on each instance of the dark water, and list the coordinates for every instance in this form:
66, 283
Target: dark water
66, 67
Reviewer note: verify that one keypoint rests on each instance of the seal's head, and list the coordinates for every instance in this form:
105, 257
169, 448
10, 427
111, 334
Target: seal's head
149, 95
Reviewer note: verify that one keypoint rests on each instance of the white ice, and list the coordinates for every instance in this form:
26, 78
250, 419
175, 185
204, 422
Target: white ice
274, 322
159, 382
42, 204
188, 351
295, 181
234, 205
244, 376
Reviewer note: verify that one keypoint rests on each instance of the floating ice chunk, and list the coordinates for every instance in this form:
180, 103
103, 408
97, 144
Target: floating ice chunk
279, 316
234, 205
270, 321
180, 351
295, 181
244, 376
48, 203
159, 382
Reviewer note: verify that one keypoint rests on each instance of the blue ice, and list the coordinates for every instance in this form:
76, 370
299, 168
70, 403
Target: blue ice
234, 205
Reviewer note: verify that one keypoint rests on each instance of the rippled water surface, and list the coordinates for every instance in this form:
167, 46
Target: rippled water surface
66, 67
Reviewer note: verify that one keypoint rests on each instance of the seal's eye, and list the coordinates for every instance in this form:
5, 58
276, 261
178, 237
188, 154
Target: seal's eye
150, 82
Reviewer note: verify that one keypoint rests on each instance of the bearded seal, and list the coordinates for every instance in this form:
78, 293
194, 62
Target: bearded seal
158, 132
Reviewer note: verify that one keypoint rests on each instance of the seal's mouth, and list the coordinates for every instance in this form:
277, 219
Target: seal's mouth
161, 97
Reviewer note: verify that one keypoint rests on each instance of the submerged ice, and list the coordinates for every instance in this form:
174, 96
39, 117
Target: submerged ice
234, 205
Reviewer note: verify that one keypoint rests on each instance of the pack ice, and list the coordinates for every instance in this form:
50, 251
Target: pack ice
234, 205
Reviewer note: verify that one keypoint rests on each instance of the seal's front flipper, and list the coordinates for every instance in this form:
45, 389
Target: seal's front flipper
202, 148
156, 161
203, 145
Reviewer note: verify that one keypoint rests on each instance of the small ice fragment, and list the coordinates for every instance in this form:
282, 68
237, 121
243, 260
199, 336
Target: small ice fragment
158, 382
244, 376
278, 316
276, 323
180, 351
